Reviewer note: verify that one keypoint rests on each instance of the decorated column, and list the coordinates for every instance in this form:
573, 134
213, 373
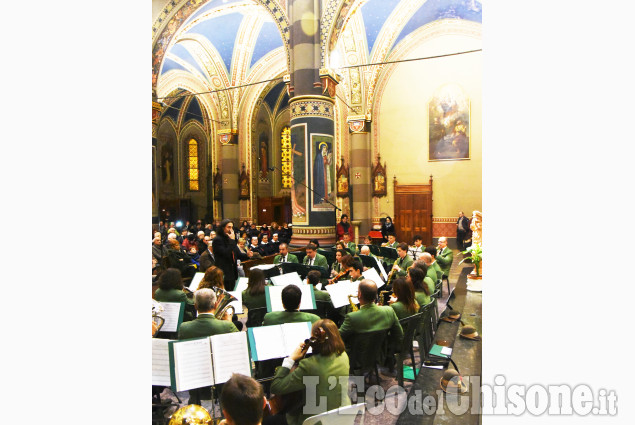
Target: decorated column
229, 174
361, 181
156, 114
312, 92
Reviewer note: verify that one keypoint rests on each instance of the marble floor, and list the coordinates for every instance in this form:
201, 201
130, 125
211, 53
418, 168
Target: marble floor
381, 416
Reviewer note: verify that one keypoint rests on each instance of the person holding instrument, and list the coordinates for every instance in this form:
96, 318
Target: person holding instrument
336, 268
404, 302
401, 264
329, 364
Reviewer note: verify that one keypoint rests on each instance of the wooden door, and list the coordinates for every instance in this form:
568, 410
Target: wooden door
413, 212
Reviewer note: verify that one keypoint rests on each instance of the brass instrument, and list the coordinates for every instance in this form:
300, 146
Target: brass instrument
157, 320
353, 305
392, 272
223, 299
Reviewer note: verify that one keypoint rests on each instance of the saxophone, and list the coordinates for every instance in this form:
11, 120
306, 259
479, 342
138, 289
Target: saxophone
382, 295
392, 272
353, 305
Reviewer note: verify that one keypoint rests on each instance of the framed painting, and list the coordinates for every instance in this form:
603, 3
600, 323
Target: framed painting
449, 124
323, 177
299, 196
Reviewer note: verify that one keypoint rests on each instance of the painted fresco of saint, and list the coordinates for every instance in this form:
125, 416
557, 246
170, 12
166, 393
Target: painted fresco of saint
322, 174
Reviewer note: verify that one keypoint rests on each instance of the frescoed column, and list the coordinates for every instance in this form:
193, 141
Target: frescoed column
311, 105
156, 114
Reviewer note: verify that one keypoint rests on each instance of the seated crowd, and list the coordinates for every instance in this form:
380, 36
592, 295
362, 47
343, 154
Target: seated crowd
215, 249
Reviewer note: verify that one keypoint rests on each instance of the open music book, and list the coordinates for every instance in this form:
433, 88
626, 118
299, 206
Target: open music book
287, 279
241, 284
340, 291
203, 362
173, 315
195, 281
160, 362
277, 341
273, 295
238, 304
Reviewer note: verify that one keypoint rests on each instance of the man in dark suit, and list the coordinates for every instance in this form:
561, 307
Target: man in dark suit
226, 253
462, 227
207, 259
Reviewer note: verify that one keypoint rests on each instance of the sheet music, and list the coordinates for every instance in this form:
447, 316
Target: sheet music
230, 355
195, 281
241, 285
294, 334
238, 304
267, 343
287, 279
372, 274
339, 292
160, 362
275, 296
381, 269
170, 314
193, 364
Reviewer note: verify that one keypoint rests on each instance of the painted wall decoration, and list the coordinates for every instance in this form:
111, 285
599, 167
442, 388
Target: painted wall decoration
299, 198
323, 171
342, 180
263, 152
449, 124
244, 184
167, 165
379, 179
218, 185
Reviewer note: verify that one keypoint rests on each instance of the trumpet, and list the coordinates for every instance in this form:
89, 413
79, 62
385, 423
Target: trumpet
353, 305
223, 299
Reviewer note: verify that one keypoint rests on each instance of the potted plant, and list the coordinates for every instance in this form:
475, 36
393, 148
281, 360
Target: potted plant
474, 254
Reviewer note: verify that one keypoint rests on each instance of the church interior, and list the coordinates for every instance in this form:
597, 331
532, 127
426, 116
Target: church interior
305, 111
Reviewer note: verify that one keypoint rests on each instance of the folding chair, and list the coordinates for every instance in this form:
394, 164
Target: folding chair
255, 316
365, 352
346, 415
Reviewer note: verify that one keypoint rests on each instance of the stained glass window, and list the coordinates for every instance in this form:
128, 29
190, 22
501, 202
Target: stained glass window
285, 157
192, 161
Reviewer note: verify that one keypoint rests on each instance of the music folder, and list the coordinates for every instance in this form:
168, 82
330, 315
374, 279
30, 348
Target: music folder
388, 252
195, 281
273, 295
172, 315
372, 274
277, 341
340, 291
204, 362
287, 279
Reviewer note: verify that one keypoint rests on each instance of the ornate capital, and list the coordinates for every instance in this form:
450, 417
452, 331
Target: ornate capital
358, 124
311, 106
329, 80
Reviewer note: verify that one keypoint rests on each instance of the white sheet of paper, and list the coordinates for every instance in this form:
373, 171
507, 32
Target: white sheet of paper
264, 266
374, 276
195, 281
447, 351
267, 340
193, 368
242, 284
381, 269
340, 291
294, 334
231, 355
160, 362
275, 295
238, 304
170, 314
287, 279
434, 367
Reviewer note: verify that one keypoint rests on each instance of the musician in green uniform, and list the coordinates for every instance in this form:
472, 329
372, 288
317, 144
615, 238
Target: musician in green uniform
444, 256
392, 242
291, 297
312, 258
206, 323
404, 261
284, 256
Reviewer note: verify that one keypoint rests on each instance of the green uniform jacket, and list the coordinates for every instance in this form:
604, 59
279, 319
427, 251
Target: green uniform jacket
322, 296
319, 260
280, 317
436, 266
444, 258
172, 296
394, 245
254, 301
403, 264
431, 284
319, 368
290, 259
401, 311
432, 273
372, 317
205, 325
422, 298
353, 247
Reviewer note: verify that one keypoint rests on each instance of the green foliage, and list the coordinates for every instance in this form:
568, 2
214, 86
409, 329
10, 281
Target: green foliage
474, 253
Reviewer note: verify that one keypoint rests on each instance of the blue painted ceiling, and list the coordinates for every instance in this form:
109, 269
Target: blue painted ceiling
375, 13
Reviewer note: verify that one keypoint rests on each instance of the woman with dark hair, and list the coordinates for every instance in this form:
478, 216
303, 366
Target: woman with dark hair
387, 228
213, 278
405, 304
254, 295
337, 264
226, 253
329, 363
171, 291
422, 292
344, 227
